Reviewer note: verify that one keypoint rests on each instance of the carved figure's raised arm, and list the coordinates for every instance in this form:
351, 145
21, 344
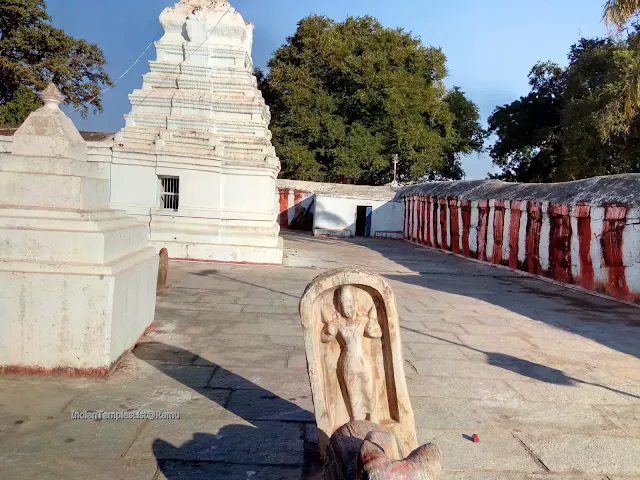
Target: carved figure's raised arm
330, 330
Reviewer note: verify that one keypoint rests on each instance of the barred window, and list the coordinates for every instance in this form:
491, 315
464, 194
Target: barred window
170, 192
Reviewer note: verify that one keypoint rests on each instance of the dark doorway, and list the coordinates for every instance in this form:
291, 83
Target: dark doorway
363, 221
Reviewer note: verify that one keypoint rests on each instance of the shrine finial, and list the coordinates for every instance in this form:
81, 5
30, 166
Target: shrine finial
51, 97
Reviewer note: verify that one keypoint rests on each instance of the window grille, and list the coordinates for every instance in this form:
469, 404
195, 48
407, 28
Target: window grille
170, 192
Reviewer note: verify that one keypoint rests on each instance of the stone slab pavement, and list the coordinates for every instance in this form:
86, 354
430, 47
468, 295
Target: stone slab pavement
548, 377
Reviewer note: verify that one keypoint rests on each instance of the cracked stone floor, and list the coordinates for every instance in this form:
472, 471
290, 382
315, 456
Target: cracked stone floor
548, 377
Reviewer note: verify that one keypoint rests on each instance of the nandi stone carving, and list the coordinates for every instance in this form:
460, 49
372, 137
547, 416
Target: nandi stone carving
354, 356
367, 451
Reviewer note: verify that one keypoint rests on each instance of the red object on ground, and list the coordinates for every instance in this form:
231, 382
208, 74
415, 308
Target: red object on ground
475, 438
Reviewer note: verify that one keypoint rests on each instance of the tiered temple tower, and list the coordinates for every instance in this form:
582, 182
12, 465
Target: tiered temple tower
195, 158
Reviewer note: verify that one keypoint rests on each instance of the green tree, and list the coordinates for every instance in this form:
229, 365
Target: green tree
574, 123
528, 146
468, 135
34, 53
346, 96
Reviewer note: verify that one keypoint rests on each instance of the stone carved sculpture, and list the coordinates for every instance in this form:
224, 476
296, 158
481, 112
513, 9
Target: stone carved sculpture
348, 324
354, 356
365, 450
210, 21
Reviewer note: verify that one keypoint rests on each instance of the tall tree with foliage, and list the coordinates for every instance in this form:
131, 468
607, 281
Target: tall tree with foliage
574, 123
346, 96
34, 53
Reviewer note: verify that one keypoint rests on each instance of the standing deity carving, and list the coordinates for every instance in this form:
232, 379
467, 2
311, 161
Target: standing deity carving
348, 322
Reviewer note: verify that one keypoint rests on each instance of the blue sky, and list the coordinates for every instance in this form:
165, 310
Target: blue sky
490, 44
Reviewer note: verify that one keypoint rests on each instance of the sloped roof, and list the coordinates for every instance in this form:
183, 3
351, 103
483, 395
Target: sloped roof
384, 192
623, 189
87, 136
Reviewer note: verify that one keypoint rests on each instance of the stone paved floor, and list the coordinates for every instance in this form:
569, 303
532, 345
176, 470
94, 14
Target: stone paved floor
548, 377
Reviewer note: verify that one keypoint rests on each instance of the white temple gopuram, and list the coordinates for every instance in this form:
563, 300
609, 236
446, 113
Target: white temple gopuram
195, 158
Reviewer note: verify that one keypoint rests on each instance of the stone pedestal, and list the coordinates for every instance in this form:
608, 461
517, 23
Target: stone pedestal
78, 279
200, 118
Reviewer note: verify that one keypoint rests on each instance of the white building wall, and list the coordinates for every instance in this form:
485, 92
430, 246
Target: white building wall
490, 229
631, 249
134, 188
545, 236
339, 213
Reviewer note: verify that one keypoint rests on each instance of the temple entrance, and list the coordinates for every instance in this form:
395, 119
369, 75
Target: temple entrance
363, 221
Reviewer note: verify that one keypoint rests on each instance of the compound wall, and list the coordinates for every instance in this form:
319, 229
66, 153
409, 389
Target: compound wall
585, 232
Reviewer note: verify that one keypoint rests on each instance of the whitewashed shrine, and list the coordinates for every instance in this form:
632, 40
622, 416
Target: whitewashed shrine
77, 279
195, 160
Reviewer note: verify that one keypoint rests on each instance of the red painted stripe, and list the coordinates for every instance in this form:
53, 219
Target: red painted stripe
284, 207
514, 232
434, 220
410, 217
407, 215
413, 218
534, 224
404, 229
583, 214
425, 219
427, 222
560, 243
483, 207
422, 222
455, 227
443, 223
465, 206
409, 212
420, 219
412, 233
498, 230
615, 219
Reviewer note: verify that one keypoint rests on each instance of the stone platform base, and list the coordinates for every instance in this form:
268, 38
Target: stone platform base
325, 232
213, 252
389, 235
80, 319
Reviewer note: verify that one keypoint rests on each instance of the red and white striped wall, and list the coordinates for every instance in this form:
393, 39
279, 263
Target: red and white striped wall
291, 203
594, 246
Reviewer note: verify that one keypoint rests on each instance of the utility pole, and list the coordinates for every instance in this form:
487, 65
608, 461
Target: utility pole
395, 170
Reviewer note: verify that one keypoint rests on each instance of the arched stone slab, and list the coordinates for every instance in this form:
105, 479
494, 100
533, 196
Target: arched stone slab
354, 354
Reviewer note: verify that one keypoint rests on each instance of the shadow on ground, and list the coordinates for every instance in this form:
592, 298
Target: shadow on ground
566, 309
215, 273
526, 368
271, 433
